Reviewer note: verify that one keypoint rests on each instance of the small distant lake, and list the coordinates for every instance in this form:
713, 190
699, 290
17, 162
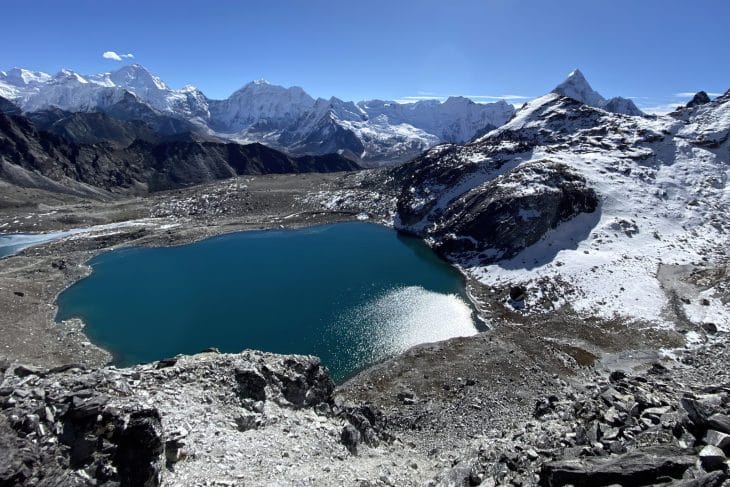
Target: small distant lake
350, 293
11, 244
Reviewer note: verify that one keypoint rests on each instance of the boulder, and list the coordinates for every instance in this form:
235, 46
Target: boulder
697, 411
718, 439
712, 479
350, 437
517, 293
26, 370
175, 446
719, 422
637, 468
712, 458
247, 422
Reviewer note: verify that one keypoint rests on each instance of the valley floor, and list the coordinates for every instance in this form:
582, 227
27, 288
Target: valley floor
444, 404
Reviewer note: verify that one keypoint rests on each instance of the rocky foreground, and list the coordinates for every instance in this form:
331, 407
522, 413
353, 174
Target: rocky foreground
262, 419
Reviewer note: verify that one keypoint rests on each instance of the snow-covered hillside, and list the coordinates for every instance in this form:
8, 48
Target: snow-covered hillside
663, 198
373, 133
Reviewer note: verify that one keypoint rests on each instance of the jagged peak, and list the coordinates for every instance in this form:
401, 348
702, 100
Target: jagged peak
136, 76
576, 86
260, 85
66, 74
700, 98
458, 101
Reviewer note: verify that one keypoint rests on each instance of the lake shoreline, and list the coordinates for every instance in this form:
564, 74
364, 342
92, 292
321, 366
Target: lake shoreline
361, 288
31, 334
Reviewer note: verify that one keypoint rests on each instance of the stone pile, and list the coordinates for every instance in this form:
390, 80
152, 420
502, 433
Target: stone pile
620, 430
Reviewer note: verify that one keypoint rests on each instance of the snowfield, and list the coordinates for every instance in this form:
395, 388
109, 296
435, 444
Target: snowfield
664, 200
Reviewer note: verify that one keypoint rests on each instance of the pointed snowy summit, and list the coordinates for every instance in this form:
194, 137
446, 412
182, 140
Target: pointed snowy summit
136, 76
576, 86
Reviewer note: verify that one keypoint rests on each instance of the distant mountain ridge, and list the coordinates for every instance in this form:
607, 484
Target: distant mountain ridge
373, 132
289, 119
129, 157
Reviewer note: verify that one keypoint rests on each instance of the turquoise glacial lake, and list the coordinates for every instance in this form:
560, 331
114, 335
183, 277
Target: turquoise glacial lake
350, 293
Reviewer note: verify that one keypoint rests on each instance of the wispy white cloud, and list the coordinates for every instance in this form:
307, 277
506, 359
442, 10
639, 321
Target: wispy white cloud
415, 98
499, 97
662, 109
690, 94
116, 57
477, 98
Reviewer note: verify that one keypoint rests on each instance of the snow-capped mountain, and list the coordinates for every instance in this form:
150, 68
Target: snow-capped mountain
372, 132
458, 119
261, 106
576, 87
581, 206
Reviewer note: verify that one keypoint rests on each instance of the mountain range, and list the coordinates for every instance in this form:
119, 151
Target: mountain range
96, 155
372, 133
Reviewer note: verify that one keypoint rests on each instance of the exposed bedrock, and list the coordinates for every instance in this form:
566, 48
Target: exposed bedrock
505, 215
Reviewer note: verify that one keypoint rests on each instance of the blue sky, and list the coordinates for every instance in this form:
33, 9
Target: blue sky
391, 49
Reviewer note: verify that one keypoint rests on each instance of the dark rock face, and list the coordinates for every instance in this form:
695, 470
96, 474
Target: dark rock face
40, 159
8, 107
131, 109
93, 128
350, 437
74, 432
251, 384
699, 99
140, 450
513, 211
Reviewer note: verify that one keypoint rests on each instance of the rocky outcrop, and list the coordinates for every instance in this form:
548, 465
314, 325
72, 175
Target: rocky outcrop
700, 98
505, 215
137, 426
513, 211
76, 435
8, 107
640, 468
